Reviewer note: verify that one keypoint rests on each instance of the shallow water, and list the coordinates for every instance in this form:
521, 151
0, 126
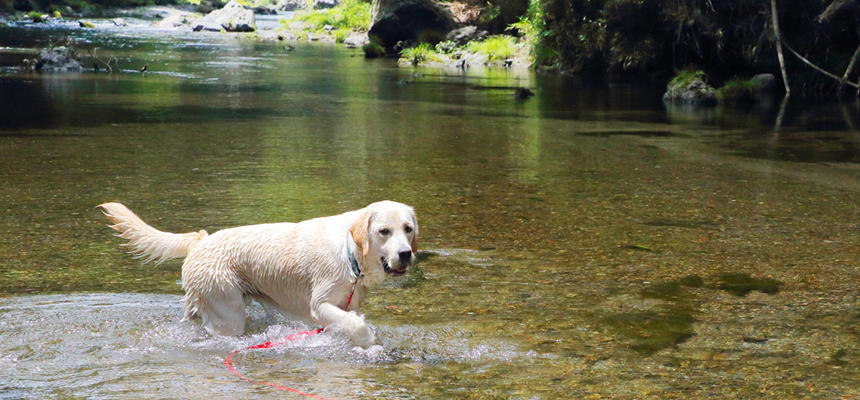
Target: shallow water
587, 242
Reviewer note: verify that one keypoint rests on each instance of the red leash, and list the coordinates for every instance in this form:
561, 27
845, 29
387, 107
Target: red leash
269, 345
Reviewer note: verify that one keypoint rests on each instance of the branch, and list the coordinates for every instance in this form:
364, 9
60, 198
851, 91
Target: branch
832, 9
819, 69
778, 37
848, 69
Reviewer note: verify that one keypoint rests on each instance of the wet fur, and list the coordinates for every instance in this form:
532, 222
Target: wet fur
299, 269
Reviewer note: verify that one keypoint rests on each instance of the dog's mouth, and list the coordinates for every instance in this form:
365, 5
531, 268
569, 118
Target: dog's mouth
392, 271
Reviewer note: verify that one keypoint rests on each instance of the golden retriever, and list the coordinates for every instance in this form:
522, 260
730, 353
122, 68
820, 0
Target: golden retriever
307, 270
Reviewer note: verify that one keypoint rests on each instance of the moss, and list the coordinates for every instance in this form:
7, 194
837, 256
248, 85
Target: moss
651, 331
741, 284
738, 90
692, 281
36, 16
670, 290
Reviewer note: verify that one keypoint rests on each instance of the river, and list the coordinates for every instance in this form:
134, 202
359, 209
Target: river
588, 242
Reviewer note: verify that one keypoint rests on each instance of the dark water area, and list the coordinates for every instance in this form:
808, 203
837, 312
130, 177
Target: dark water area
588, 242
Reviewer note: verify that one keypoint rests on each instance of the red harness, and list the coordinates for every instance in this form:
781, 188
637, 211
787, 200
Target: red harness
269, 345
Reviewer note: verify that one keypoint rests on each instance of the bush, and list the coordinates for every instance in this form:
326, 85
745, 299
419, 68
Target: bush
373, 50
349, 15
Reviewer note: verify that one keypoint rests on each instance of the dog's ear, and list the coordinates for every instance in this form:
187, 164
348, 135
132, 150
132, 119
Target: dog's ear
360, 230
414, 242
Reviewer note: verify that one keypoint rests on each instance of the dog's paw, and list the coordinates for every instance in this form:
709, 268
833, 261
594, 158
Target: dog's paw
364, 336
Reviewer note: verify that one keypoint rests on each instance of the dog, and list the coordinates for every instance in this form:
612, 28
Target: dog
316, 270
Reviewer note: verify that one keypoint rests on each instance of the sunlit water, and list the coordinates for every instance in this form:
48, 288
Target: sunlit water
587, 242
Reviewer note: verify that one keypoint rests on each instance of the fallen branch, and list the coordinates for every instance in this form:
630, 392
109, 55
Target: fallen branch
819, 69
778, 37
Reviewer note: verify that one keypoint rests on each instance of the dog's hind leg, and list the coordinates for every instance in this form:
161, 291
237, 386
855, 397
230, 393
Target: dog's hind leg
223, 313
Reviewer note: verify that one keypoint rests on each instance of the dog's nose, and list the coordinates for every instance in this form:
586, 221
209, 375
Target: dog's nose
405, 257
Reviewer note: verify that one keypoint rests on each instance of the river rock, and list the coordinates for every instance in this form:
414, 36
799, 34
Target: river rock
465, 34
58, 59
696, 91
291, 5
232, 18
405, 20
176, 20
356, 39
764, 81
320, 4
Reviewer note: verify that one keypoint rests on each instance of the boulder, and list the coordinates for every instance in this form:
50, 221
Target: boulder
320, 4
356, 40
695, 91
764, 81
57, 59
407, 20
232, 18
465, 34
175, 20
291, 5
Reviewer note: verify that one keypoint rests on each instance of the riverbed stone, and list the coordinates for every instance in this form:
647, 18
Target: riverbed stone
57, 59
291, 5
696, 91
406, 20
232, 18
356, 39
321, 4
764, 81
465, 34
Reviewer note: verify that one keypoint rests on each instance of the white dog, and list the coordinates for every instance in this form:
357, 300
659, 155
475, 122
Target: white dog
308, 270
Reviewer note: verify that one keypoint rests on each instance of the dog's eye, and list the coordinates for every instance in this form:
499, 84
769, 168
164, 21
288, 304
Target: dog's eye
408, 229
384, 231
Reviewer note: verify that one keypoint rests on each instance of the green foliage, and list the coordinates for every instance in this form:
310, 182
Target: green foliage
738, 90
496, 48
532, 27
348, 15
419, 54
373, 50
684, 77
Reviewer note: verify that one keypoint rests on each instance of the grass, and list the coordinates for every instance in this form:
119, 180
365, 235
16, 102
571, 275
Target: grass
496, 48
347, 16
419, 54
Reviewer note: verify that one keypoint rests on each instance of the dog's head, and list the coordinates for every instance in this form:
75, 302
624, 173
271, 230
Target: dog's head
386, 234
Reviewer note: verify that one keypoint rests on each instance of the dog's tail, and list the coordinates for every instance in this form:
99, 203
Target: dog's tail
146, 241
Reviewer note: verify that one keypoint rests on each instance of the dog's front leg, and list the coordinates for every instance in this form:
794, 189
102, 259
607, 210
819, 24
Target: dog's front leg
330, 315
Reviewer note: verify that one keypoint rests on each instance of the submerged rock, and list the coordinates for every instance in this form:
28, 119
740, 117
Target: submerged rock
232, 18
57, 59
406, 20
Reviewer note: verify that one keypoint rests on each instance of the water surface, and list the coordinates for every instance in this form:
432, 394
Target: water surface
588, 242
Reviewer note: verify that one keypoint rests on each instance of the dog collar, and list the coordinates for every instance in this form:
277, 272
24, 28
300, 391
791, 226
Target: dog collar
352, 261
